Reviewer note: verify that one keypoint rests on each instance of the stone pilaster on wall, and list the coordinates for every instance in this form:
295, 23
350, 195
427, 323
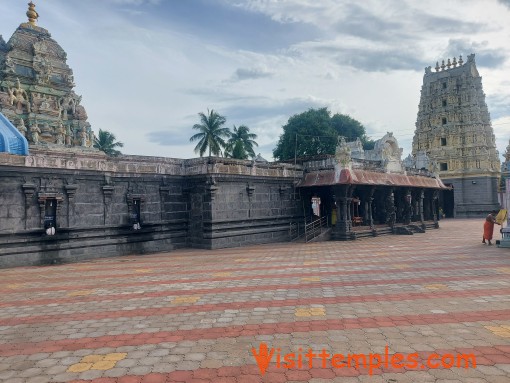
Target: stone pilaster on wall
164, 191
70, 192
29, 191
107, 201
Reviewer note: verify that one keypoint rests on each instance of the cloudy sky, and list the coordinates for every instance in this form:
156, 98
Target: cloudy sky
146, 68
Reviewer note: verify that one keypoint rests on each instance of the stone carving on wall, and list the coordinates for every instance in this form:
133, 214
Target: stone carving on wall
35, 131
43, 69
19, 98
22, 128
388, 151
357, 150
343, 153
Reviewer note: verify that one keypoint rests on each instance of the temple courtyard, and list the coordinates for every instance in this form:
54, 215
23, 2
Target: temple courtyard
407, 309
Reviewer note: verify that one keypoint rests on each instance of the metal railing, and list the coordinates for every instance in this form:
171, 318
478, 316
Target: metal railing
314, 228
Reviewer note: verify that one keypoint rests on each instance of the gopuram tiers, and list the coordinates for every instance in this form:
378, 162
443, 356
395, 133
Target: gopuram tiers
453, 126
36, 89
453, 129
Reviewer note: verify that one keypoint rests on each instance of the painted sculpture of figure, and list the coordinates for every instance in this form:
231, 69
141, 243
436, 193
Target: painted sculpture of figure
90, 136
19, 97
67, 104
35, 131
60, 134
22, 128
69, 136
83, 136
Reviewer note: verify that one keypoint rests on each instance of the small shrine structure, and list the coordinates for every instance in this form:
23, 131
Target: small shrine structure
372, 192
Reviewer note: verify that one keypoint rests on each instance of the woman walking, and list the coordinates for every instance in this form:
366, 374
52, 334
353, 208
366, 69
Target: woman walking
488, 227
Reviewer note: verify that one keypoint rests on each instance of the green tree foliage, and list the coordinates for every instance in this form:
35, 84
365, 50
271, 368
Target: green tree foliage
106, 142
211, 134
351, 129
241, 142
317, 133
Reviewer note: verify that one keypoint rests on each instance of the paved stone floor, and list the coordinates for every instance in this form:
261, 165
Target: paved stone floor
197, 316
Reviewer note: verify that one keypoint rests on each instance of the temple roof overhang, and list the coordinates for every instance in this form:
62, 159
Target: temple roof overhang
369, 178
11, 140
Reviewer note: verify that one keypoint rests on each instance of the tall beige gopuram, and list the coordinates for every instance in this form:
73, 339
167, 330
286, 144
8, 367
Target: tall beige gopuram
454, 130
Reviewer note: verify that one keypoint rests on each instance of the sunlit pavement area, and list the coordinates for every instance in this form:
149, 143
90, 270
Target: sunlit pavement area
194, 315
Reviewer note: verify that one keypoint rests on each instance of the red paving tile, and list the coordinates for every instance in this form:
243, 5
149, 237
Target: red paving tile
41, 327
267, 276
237, 331
249, 305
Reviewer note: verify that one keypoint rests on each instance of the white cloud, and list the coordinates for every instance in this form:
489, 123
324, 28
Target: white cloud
145, 76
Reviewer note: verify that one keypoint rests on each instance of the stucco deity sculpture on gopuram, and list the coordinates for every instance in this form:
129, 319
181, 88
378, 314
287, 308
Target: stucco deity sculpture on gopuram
36, 89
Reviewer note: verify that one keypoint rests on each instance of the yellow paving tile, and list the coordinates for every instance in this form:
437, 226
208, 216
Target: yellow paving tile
311, 279
505, 270
188, 299
222, 274
310, 263
116, 357
401, 266
502, 331
311, 311
92, 358
97, 362
80, 367
144, 270
14, 286
242, 260
436, 286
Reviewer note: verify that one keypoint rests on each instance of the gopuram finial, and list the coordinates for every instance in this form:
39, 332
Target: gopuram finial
32, 14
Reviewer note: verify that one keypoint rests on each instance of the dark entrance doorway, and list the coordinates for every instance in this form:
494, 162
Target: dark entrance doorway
448, 202
50, 213
327, 202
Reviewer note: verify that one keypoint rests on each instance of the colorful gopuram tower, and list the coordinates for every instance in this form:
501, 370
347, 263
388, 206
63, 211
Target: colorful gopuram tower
454, 130
36, 89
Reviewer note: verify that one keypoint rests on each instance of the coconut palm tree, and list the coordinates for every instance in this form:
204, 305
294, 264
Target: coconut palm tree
105, 142
211, 134
240, 144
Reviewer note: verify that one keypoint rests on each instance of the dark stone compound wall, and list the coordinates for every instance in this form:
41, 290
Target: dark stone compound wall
474, 196
184, 203
241, 210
